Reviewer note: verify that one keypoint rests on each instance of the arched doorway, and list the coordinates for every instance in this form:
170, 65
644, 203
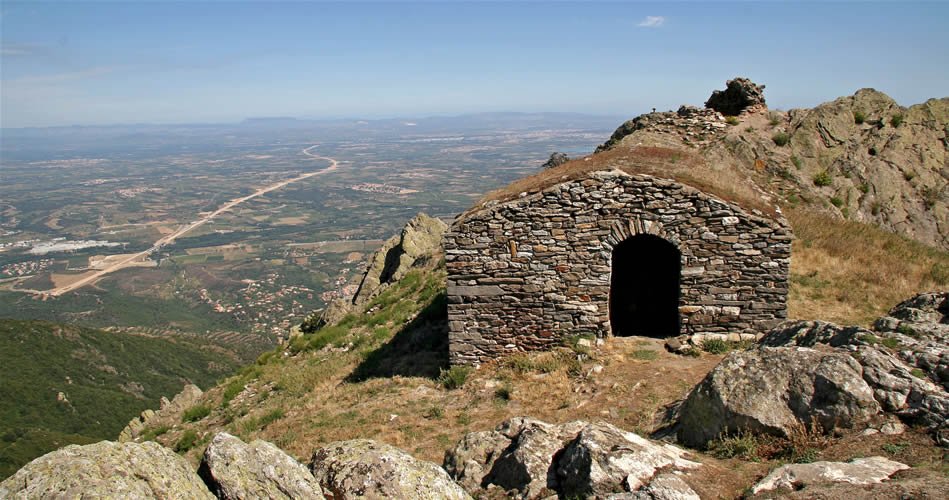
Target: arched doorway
644, 287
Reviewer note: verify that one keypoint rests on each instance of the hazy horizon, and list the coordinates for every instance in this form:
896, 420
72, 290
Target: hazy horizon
103, 63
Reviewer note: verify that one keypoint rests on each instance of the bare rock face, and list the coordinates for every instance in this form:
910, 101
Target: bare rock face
107, 470
556, 159
858, 471
235, 470
604, 459
740, 94
922, 323
527, 458
419, 242
362, 468
774, 390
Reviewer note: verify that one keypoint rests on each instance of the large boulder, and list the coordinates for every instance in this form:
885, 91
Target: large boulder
740, 94
363, 468
604, 459
107, 470
775, 390
234, 470
858, 471
419, 242
529, 459
904, 361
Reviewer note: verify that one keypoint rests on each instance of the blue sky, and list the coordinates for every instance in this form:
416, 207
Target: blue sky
83, 62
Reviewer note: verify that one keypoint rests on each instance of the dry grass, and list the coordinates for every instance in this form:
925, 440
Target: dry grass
852, 273
681, 165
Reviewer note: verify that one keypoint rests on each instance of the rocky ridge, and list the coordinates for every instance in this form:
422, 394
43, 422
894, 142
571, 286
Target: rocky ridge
862, 157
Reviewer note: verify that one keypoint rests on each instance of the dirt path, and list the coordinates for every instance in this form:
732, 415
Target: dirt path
170, 238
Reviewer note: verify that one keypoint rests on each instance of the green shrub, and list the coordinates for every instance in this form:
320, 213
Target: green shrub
715, 346
859, 117
742, 445
731, 120
434, 412
151, 434
837, 201
916, 372
796, 162
503, 393
232, 389
822, 178
896, 120
454, 377
895, 448
186, 441
195, 413
692, 352
781, 138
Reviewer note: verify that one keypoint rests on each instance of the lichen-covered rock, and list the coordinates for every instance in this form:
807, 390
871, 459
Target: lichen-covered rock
666, 486
420, 241
774, 390
740, 94
530, 459
858, 471
474, 456
527, 465
604, 459
905, 361
922, 326
363, 468
107, 470
236, 470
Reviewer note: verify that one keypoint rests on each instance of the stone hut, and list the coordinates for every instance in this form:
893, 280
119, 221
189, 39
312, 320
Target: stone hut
611, 253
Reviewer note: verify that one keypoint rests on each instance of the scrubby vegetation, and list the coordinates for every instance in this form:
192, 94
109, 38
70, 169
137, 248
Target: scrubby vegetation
105, 380
781, 138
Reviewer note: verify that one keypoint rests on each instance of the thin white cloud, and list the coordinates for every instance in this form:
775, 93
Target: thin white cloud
652, 22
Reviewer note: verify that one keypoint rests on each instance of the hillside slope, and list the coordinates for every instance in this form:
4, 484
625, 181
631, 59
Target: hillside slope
65, 384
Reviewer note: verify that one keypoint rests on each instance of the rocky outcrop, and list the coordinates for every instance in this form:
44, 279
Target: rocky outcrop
235, 470
363, 468
419, 241
858, 471
740, 95
107, 470
418, 244
775, 390
922, 324
528, 458
903, 360
863, 157
169, 413
556, 159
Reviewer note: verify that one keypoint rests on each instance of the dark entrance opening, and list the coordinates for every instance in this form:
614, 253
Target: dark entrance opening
644, 287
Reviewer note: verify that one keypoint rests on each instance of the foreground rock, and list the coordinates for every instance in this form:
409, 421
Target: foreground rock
859, 471
364, 468
775, 391
233, 469
528, 458
740, 94
107, 470
904, 360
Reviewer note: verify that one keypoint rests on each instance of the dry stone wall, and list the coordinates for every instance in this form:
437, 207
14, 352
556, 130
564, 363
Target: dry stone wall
525, 273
